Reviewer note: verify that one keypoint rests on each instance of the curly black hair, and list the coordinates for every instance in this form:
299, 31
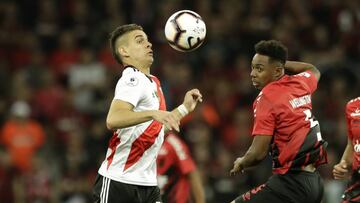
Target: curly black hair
273, 49
118, 32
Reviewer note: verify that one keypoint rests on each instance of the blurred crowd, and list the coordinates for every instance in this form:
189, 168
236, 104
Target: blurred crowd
57, 79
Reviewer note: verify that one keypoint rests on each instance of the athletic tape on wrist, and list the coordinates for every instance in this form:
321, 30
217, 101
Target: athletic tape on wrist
183, 110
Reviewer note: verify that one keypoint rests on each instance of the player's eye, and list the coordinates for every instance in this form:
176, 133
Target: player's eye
139, 41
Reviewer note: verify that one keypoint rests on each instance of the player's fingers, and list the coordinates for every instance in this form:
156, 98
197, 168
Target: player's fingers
339, 177
341, 169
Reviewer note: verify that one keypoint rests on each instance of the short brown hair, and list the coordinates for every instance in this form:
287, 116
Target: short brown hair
274, 49
118, 32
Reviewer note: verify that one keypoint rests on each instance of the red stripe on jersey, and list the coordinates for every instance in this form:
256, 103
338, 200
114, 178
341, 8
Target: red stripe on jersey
306, 160
113, 143
160, 94
142, 143
148, 137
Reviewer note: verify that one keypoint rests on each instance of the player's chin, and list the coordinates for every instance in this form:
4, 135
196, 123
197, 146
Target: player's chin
150, 59
258, 86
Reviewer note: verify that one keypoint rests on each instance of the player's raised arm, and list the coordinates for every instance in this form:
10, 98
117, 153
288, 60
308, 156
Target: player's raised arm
298, 67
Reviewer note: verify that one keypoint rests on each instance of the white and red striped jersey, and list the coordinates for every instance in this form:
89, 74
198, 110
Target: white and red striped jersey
132, 151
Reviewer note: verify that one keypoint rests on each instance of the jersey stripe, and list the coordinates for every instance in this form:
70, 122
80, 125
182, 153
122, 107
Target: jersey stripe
146, 139
113, 143
142, 143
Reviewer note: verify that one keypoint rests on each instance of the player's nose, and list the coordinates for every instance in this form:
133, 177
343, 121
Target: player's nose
252, 73
149, 45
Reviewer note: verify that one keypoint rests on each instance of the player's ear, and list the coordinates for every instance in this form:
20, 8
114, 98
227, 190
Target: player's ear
279, 71
123, 51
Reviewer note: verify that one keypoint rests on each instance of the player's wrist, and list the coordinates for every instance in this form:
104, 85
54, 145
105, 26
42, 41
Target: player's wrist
183, 110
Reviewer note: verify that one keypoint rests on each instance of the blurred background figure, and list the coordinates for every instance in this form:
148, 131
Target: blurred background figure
22, 136
179, 179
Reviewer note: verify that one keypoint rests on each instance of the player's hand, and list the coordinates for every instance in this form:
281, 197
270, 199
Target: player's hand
341, 171
192, 97
238, 168
170, 120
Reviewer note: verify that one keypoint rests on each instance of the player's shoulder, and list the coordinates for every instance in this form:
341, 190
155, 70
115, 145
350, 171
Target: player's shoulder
306, 74
271, 90
132, 76
130, 71
353, 103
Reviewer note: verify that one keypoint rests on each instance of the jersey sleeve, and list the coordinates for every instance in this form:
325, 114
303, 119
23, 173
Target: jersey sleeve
309, 79
348, 122
264, 117
130, 87
184, 162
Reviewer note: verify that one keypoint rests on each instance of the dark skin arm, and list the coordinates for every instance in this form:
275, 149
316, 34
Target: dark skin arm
299, 67
255, 154
342, 170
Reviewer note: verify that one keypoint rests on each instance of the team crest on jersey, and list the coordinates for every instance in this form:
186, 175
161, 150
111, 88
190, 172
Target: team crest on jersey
133, 81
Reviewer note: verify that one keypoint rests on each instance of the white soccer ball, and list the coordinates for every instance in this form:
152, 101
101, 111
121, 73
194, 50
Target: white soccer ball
185, 30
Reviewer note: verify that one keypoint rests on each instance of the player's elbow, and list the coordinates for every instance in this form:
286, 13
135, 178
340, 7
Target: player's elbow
111, 124
315, 71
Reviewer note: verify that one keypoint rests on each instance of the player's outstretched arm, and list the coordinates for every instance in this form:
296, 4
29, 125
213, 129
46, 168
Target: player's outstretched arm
298, 67
121, 115
255, 154
342, 170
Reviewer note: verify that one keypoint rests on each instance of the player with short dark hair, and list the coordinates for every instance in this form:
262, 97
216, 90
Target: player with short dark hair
349, 165
283, 119
138, 117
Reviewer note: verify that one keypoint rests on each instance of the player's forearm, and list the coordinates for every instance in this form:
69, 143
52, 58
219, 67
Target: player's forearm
178, 113
197, 187
252, 158
127, 118
348, 154
298, 67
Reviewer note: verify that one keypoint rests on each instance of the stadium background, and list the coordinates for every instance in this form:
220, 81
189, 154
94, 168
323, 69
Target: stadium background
55, 61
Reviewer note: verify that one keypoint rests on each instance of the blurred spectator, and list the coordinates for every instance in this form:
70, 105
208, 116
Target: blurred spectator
66, 54
87, 80
21, 136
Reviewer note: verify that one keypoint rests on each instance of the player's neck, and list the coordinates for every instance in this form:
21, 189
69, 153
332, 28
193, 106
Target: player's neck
280, 76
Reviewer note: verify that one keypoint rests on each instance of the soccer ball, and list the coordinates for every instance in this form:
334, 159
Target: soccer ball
185, 30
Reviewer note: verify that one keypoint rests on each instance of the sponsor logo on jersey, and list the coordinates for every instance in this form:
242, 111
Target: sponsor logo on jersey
133, 81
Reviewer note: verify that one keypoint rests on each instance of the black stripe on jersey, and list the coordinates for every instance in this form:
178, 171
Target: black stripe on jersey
311, 151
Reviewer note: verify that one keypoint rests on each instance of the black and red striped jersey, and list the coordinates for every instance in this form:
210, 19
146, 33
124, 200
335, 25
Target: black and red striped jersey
283, 109
174, 165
